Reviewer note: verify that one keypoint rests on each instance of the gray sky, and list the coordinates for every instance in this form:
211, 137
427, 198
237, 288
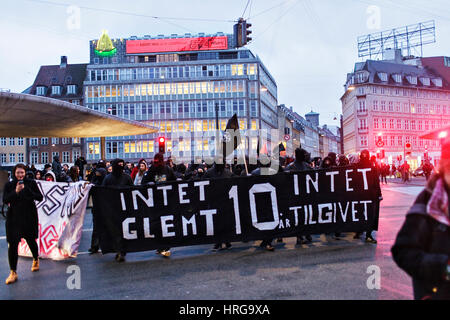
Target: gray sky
308, 45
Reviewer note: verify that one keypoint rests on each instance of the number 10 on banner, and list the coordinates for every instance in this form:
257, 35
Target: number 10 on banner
257, 188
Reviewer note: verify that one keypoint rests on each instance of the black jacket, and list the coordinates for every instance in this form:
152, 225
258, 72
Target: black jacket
214, 172
158, 174
422, 249
298, 166
117, 181
22, 217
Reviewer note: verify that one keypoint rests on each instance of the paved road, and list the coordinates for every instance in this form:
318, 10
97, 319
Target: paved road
326, 269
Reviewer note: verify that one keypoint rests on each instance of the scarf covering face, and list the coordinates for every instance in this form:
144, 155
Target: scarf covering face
437, 207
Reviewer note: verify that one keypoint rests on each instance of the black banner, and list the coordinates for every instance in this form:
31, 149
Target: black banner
185, 213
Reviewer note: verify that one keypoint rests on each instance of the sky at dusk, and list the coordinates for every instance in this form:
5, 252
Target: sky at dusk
307, 45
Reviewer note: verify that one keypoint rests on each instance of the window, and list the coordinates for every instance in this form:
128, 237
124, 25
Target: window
392, 140
2, 141
56, 90
382, 76
2, 157
40, 91
12, 157
44, 157
400, 140
413, 124
391, 124
71, 89
44, 141
406, 124
20, 158
375, 105
399, 124
12, 141
397, 78
65, 156
383, 124
20, 141
391, 106
65, 140
363, 141
34, 157
375, 123
34, 141
419, 125
383, 105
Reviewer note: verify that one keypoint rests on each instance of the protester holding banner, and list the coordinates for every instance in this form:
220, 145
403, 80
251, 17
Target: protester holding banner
100, 175
366, 162
267, 242
159, 172
219, 171
117, 178
21, 218
422, 246
300, 164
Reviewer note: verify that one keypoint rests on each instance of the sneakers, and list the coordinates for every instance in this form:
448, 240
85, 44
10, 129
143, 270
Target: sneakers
165, 253
12, 277
120, 257
370, 239
35, 265
268, 247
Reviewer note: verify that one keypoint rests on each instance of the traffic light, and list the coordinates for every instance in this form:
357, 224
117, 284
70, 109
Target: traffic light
162, 144
241, 31
238, 32
246, 32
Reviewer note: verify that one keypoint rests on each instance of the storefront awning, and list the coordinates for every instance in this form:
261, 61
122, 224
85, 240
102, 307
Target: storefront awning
24, 115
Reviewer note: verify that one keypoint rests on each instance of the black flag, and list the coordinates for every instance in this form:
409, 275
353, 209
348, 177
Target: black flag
231, 131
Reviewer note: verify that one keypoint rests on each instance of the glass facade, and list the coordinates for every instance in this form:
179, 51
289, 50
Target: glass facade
178, 93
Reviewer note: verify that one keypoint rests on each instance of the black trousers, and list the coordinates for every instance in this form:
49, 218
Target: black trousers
13, 255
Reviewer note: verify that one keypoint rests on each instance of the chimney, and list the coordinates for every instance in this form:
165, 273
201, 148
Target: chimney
63, 63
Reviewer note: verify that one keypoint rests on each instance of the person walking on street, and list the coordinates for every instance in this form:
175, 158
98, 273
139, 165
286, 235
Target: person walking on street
100, 175
219, 171
159, 172
20, 195
117, 178
300, 164
422, 246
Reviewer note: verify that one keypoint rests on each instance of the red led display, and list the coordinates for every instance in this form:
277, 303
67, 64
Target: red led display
174, 45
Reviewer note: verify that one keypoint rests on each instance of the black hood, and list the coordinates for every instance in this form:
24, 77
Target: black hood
117, 169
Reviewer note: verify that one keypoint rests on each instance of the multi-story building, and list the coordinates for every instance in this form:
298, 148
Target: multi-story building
12, 151
176, 83
63, 82
389, 104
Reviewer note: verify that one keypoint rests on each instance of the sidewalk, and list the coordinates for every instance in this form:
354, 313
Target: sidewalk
414, 181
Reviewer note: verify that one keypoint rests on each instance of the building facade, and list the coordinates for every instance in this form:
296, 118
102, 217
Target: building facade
177, 83
12, 151
389, 104
63, 82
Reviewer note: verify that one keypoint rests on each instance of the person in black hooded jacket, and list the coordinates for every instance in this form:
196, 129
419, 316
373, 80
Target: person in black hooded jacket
20, 195
300, 164
422, 246
159, 172
117, 178
366, 162
100, 175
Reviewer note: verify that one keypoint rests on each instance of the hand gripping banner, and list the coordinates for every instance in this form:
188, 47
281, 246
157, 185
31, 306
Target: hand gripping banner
61, 215
185, 213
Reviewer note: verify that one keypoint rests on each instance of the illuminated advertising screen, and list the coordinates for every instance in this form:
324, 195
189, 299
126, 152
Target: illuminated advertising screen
174, 45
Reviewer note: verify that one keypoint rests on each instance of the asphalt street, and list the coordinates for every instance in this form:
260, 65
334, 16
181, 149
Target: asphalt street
325, 269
